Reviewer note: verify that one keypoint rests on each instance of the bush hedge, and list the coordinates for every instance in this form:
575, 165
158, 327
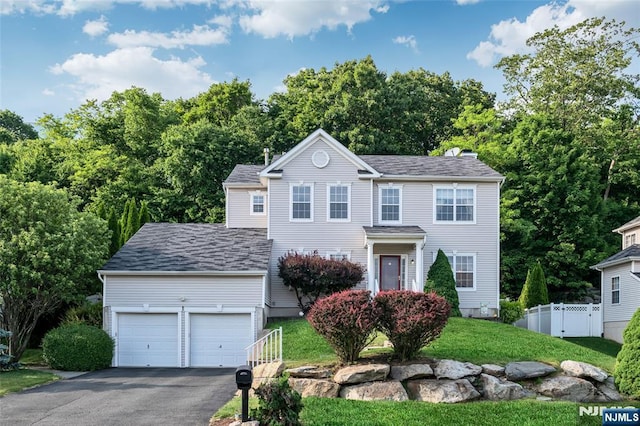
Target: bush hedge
627, 372
441, 281
510, 311
346, 321
77, 347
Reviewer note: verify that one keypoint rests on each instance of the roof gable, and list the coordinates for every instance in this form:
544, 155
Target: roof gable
627, 255
631, 224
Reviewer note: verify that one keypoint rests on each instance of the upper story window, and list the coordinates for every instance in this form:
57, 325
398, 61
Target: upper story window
390, 210
463, 266
301, 203
615, 290
455, 204
339, 203
629, 240
258, 204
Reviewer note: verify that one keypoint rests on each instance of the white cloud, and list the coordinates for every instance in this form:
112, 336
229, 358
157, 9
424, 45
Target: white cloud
97, 77
72, 7
97, 27
48, 92
200, 35
409, 41
298, 18
509, 36
465, 2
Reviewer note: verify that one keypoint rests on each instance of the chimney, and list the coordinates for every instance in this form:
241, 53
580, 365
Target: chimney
266, 156
468, 153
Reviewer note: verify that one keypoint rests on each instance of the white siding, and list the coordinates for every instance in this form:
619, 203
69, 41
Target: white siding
239, 209
614, 330
632, 236
629, 294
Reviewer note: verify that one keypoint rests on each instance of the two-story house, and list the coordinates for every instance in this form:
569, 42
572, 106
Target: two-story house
620, 282
198, 294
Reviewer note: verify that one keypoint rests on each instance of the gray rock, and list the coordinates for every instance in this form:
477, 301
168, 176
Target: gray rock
498, 390
309, 372
450, 369
607, 391
493, 369
376, 391
315, 387
448, 391
412, 371
361, 373
583, 370
568, 389
527, 370
262, 373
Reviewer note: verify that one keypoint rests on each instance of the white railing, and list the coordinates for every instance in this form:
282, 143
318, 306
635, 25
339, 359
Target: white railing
561, 320
266, 349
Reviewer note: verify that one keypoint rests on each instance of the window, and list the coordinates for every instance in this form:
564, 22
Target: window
339, 255
258, 204
615, 290
302, 203
463, 267
339, 205
390, 204
455, 204
629, 240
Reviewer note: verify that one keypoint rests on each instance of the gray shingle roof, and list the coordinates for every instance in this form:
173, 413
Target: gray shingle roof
393, 230
630, 224
245, 173
196, 247
629, 252
415, 165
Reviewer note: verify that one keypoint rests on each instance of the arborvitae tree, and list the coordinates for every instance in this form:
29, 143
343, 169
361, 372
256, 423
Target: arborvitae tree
114, 227
122, 222
441, 281
627, 374
143, 216
132, 222
534, 292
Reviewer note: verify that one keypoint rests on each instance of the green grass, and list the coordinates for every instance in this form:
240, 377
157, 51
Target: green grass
17, 380
607, 347
32, 357
463, 339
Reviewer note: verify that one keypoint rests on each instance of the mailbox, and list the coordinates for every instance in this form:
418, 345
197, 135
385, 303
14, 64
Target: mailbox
244, 377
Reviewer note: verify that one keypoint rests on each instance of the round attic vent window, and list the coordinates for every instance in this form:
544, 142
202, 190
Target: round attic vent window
320, 159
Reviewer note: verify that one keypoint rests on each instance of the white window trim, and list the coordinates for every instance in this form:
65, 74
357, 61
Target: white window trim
612, 290
388, 186
311, 193
629, 240
455, 186
453, 268
334, 185
346, 253
264, 203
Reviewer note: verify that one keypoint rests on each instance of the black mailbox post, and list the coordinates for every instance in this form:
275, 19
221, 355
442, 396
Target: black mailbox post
244, 379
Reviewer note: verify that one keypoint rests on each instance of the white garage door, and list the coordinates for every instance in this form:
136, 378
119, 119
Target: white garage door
148, 340
219, 340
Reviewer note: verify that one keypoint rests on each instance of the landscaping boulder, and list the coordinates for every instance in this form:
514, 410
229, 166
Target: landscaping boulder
411, 371
607, 391
450, 369
361, 373
262, 373
315, 387
447, 391
493, 369
376, 391
568, 389
498, 390
309, 372
527, 370
583, 370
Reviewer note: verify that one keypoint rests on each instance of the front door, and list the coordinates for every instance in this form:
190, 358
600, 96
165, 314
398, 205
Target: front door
389, 272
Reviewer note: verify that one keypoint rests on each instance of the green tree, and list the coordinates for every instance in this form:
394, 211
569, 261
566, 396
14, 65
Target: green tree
627, 373
114, 226
143, 214
534, 291
130, 220
48, 255
441, 281
13, 128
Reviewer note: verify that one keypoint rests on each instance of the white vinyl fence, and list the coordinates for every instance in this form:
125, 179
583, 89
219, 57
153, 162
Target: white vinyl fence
560, 320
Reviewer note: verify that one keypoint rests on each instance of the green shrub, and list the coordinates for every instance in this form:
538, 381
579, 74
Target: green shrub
278, 404
6, 360
510, 311
77, 347
627, 372
440, 280
534, 292
88, 313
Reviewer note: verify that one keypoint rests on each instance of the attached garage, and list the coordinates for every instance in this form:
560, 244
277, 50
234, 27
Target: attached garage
218, 340
148, 340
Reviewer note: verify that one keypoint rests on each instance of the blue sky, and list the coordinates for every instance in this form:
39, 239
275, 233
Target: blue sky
55, 54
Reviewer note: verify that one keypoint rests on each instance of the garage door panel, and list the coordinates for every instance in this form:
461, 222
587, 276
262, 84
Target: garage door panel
148, 340
219, 340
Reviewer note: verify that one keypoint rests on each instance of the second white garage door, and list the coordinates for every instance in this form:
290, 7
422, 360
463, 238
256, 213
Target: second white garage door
219, 340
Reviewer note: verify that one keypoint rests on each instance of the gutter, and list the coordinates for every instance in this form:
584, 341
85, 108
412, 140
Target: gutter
188, 273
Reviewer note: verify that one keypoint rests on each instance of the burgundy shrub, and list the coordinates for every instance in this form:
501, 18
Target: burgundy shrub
410, 320
346, 321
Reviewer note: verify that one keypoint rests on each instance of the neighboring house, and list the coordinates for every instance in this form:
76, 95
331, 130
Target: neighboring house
197, 294
620, 282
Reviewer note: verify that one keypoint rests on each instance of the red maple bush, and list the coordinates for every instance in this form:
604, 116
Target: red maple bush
346, 321
409, 319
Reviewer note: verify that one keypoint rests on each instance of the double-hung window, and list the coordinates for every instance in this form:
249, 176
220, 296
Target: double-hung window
339, 203
615, 290
629, 240
390, 210
339, 255
455, 204
463, 266
258, 203
301, 203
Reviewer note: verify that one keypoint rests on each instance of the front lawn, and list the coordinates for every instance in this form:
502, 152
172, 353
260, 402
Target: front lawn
17, 380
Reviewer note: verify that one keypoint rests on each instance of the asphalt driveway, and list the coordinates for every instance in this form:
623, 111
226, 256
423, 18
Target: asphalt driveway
124, 396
